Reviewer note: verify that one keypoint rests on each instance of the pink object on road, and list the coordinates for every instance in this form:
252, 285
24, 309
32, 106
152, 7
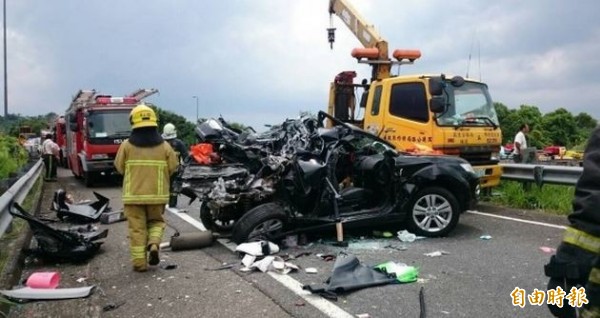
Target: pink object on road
43, 280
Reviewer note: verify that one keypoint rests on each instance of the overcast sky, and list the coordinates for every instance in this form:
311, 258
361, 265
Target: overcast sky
260, 61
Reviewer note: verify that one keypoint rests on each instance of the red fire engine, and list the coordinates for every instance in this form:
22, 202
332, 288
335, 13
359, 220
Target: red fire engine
97, 125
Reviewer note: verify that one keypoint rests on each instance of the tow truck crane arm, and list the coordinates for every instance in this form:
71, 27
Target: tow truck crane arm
376, 48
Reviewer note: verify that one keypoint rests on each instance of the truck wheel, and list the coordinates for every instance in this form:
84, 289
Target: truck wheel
210, 223
88, 178
434, 211
264, 222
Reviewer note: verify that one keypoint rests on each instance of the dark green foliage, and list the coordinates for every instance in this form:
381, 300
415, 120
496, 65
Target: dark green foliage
185, 129
550, 198
12, 155
558, 127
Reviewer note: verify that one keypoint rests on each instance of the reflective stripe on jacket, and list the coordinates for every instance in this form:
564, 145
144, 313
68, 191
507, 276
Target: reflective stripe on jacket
146, 172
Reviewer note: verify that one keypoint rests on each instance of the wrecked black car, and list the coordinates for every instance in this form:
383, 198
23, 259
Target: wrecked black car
307, 178
360, 180
232, 171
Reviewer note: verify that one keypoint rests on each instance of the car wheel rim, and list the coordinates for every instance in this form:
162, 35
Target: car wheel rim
266, 229
432, 213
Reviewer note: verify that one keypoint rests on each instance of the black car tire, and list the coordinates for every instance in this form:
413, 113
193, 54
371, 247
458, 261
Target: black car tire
209, 222
442, 197
262, 215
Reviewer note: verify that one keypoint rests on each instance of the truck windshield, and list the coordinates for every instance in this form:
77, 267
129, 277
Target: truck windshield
469, 104
109, 124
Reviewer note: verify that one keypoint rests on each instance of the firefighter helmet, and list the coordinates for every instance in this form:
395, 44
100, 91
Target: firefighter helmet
169, 131
142, 116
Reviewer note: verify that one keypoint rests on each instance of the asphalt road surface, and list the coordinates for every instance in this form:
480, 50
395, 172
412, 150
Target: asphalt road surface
473, 278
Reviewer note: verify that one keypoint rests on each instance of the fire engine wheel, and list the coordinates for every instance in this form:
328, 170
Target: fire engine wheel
434, 211
264, 222
206, 216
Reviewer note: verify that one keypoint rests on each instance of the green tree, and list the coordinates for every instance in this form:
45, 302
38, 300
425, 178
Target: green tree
185, 129
561, 128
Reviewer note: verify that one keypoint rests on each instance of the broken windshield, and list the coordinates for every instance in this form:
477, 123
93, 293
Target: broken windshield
109, 124
469, 104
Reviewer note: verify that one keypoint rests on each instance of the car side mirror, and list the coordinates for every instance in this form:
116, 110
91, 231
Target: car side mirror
437, 104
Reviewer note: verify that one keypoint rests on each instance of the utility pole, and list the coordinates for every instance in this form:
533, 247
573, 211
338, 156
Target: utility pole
5, 72
196, 97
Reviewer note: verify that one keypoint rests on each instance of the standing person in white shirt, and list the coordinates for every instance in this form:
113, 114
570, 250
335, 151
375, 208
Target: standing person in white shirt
49, 153
520, 143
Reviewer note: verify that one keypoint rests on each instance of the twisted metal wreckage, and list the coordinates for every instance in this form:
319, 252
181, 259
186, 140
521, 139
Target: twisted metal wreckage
301, 176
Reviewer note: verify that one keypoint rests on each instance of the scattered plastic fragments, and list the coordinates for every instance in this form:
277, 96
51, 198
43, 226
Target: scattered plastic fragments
549, 250
402, 272
384, 234
326, 257
365, 315
406, 236
81, 279
436, 253
258, 248
486, 237
310, 270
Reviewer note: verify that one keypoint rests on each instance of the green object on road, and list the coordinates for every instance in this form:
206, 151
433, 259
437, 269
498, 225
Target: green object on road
402, 272
385, 234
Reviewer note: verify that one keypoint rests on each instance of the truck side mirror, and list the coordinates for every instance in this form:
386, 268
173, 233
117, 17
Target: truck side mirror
436, 86
457, 81
437, 104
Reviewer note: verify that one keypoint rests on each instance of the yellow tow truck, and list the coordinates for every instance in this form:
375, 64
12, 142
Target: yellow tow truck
422, 113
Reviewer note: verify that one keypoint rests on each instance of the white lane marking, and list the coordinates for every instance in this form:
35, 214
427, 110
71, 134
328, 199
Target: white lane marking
186, 218
325, 306
518, 220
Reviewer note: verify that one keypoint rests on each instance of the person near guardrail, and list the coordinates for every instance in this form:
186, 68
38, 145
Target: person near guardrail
520, 143
576, 263
50, 152
146, 162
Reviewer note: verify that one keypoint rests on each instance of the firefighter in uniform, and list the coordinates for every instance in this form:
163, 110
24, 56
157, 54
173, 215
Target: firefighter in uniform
146, 162
577, 259
170, 135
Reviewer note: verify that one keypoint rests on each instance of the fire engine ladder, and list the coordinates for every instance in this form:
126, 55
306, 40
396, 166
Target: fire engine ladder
83, 97
143, 93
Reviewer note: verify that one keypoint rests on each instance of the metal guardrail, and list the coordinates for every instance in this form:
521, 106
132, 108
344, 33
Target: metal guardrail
541, 174
17, 193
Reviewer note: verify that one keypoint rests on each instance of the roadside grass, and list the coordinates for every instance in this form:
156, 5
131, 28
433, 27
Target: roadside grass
554, 199
29, 203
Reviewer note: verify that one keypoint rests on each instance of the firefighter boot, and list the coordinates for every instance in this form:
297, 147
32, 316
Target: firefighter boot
139, 265
153, 257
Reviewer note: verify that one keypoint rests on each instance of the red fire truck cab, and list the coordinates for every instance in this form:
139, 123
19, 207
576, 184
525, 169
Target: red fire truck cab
97, 125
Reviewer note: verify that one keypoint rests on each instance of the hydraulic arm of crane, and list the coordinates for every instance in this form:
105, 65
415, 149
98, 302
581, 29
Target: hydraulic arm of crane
376, 48
365, 33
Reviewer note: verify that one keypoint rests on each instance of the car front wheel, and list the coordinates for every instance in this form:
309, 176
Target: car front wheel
434, 211
264, 222
207, 218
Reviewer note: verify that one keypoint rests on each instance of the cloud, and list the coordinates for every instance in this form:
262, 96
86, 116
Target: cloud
262, 61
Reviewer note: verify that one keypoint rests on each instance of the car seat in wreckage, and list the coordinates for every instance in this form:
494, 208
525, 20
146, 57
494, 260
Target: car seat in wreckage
86, 211
58, 245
